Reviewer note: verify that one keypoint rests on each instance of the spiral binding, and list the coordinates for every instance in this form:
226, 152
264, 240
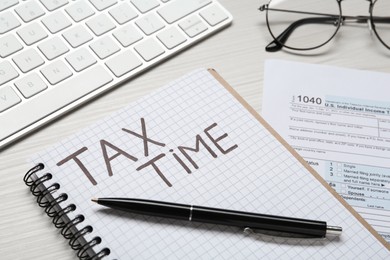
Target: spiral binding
45, 199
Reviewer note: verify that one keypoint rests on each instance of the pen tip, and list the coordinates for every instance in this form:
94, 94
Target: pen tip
94, 200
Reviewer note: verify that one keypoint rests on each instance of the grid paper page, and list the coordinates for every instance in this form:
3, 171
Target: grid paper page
248, 170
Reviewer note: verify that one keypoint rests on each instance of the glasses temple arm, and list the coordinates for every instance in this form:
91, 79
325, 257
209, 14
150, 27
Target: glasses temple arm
266, 8
381, 19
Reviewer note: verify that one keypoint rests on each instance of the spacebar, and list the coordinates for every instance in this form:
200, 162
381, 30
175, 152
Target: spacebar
52, 100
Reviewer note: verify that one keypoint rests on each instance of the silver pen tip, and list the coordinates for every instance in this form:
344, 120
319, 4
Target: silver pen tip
94, 200
334, 230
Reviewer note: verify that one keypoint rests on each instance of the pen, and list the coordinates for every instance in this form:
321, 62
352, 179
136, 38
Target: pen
309, 228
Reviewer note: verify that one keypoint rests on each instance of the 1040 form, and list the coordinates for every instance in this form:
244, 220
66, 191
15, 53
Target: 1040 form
338, 120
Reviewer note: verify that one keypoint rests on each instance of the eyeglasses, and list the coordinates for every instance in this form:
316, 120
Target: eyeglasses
309, 24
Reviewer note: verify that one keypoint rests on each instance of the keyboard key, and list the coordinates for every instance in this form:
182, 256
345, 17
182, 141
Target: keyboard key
104, 47
28, 60
69, 91
103, 4
7, 4
30, 85
29, 11
193, 26
123, 13
52, 5
9, 45
127, 35
79, 11
145, 5
7, 72
180, 8
53, 48
80, 59
213, 15
149, 49
8, 21
32, 33
123, 63
77, 36
171, 37
100, 24
56, 22
8, 98
150, 23
56, 72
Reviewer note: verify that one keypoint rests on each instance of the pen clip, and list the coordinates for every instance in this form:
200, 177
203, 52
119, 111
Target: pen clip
278, 235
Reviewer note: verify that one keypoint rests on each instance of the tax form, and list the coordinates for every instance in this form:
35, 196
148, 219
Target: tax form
338, 120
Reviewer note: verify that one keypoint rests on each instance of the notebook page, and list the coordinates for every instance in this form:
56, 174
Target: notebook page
235, 163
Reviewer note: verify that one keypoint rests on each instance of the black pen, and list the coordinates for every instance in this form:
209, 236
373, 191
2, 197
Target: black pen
304, 227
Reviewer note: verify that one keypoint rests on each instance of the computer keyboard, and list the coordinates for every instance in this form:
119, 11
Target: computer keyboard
57, 54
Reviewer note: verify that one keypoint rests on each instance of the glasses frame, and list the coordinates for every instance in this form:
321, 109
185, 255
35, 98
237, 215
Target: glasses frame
338, 19
373, 25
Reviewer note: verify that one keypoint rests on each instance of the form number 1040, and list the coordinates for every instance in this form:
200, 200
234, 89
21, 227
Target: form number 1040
308, 99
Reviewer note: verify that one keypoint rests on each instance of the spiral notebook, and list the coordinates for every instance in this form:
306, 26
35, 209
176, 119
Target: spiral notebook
194, 141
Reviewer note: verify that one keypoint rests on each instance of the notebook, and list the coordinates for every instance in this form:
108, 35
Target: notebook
194, 141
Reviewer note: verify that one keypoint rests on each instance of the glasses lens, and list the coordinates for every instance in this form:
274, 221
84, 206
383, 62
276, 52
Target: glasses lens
381, 20
303, 24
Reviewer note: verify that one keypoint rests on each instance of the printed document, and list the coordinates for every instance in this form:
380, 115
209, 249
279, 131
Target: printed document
338, 120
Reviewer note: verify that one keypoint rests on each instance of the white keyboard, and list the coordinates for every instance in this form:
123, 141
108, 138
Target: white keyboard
57, 54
